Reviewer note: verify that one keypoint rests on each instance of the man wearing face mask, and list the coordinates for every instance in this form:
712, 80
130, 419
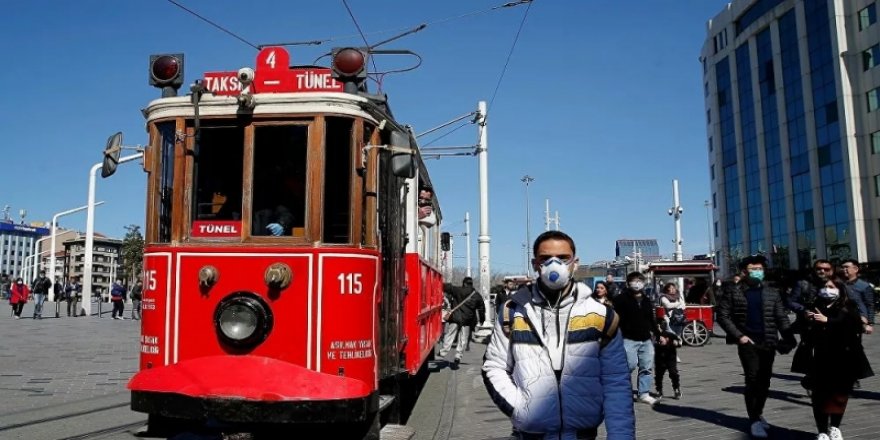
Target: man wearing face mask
555, 363
638, 323
805, 292
752, 316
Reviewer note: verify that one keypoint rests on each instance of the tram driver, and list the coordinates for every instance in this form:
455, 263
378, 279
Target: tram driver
277, 195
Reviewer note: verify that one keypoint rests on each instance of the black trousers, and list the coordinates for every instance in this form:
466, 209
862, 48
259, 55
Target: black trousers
118, 308
16, 308
757, 363
665, 359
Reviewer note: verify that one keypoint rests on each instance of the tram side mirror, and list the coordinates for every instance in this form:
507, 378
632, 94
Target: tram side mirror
402, 164
445, 244
111, 155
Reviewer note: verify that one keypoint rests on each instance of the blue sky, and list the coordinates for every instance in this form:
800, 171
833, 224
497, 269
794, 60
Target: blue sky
602, 104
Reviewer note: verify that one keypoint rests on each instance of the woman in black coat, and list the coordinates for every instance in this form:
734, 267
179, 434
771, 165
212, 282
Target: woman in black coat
834, 359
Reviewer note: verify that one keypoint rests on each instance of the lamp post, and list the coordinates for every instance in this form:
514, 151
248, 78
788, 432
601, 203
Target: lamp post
527, 179
676, 211
54, 235
90, 232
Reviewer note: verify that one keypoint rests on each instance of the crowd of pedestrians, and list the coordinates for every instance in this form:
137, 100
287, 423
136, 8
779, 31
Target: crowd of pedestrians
564, 359
69, 291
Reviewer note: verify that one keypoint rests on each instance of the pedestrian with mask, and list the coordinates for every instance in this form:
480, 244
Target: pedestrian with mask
73, 292
40, 288
835, 359
638, 324
752, 317
555, 363
18, 297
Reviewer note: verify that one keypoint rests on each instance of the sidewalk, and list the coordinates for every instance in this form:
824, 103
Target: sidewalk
712, 406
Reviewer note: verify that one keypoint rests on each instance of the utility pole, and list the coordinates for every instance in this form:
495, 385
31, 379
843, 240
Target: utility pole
676, 212
709, 229
484, 239
527, 179
546, 214
467, 234
556, 221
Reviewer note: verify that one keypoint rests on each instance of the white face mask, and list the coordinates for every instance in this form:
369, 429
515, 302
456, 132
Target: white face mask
637, 285
555, 274
829, 293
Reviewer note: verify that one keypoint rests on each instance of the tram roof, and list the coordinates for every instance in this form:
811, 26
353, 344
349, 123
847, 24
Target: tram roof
266, 104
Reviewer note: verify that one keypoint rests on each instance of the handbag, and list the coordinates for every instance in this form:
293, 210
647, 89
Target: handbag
802, 359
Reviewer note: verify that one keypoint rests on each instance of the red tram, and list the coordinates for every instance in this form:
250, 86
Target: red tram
288, 279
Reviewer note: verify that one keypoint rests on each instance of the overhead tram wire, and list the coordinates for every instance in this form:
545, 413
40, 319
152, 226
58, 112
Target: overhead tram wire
363, 37
446, 134
227, 31
509, 55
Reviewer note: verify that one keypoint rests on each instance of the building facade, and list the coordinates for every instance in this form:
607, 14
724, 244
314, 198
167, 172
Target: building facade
792, 94
17, 247
106, 265
646, 248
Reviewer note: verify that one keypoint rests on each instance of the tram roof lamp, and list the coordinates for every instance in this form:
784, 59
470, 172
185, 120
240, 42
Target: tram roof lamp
349, 65
166, 73
111, 154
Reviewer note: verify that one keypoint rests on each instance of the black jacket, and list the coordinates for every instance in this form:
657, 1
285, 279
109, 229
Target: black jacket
42, 285
467, 313
638, 320
732, 311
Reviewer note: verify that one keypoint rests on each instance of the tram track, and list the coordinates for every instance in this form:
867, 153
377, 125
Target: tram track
83, 419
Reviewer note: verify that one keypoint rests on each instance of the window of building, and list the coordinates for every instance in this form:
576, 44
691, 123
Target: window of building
874, 99
867, 16
875, 142
714, 200
706, 89
870, 57
709, 116
716, 229
712, 171
711, 147
877, 185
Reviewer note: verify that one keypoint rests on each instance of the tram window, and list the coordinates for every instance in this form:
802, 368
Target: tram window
279, 180
166, 180
337, 180
217, 173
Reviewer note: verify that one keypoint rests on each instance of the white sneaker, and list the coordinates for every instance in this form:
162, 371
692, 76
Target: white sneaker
764, 422
758, 430
646, 398
834, 433
823, 436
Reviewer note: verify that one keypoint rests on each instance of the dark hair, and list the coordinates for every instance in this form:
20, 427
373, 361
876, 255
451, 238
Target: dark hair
822, 261
753, 259
552, 235
841, 287
852, 261
467, 281
635, 275
667, 286
603, 284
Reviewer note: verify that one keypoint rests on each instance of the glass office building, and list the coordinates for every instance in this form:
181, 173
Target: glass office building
792, 92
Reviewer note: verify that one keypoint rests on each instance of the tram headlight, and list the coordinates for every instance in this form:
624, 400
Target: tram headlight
243, 320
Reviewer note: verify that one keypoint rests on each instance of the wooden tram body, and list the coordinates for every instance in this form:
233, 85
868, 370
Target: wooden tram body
320, 325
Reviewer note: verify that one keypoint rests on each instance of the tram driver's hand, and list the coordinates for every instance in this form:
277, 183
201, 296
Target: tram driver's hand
275, 229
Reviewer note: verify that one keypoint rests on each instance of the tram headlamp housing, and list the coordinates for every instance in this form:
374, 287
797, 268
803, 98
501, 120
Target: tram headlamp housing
243, 320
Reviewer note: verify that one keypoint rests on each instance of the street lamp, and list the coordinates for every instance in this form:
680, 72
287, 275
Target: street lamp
527, 179
107, 167
54, 235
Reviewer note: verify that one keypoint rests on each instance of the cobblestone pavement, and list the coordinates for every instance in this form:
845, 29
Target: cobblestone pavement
63, 377
455, 405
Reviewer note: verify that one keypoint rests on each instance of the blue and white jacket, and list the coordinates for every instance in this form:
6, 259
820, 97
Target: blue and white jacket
562, 370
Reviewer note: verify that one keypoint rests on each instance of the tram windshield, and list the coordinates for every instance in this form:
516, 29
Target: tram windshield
273, 179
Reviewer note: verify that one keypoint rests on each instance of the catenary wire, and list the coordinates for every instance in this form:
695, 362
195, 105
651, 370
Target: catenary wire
363, 37
227, 31
509, 55
446, 134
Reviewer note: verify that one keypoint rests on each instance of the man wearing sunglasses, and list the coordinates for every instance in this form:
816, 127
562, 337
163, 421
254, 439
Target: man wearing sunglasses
555, 363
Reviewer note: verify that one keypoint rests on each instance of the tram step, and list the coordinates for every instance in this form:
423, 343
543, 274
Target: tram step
385, 400
397, 432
